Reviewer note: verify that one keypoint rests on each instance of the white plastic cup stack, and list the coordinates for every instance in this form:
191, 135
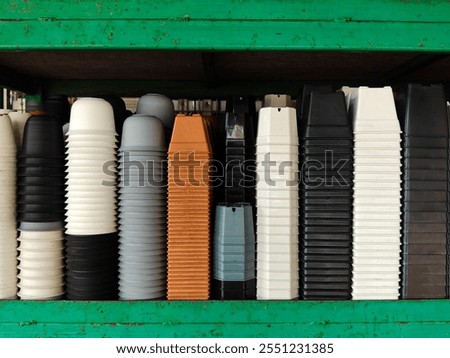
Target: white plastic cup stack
41, 265
277, 204
377, 194
8, 230
91, 168
143, 209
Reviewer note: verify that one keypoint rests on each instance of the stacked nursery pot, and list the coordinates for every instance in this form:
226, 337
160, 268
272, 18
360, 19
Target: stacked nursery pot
277, 204
377, 194
8, 229
234, 239
41, 190
143, 209
92, 240
425, 194
18, 120
326, 198
160, 106
234, 253
189, 234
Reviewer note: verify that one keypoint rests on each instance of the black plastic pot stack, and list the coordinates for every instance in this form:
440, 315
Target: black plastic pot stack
425, 192
234, 238
326, 198
41, 213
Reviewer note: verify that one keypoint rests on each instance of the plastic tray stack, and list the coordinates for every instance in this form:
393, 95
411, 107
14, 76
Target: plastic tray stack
41, 191
92, 240
8, 232
425, 191
234, 253
143, 209
277, 204
189, 212
377, 194
326, 198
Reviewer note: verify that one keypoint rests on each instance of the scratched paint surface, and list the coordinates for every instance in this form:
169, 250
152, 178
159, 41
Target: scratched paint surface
225, 25
225, 319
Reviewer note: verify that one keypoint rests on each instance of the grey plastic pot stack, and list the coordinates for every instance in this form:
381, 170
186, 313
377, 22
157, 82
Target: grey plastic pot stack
142, 209
234, 253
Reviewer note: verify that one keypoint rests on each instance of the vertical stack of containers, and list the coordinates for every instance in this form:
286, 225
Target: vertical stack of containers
41, 191
234, 238
277, 204
143, 209
8, 232
189, 210
18, 120
92, 241
326, 198
425, 193
160, 106
377, 194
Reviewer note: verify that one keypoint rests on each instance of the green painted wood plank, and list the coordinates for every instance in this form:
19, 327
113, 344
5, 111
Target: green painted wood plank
226, 319
185, 10
381, 25
217, 330
210, 35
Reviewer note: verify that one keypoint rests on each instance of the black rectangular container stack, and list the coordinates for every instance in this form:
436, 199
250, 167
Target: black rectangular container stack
425, 187
326, 198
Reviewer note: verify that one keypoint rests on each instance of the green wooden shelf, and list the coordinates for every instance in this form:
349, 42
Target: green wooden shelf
344, 25
219, 47
275, 319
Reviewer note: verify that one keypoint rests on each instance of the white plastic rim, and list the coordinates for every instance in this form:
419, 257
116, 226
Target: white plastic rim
263, 293
375, 261
376, 290
292, 221
284, 184
277, 276
392, 224
376, 276
276, 248
360, 185
377, 145
384, 253
275, 204
277, 148
276, 230
28, 254
283, 212
99, 151
36, 273
56, 281
41, 245
374, 216
87, 200
90, 229
93, 145
377, 153
47, 264
36, 292
90, 133
269, 240
376, 200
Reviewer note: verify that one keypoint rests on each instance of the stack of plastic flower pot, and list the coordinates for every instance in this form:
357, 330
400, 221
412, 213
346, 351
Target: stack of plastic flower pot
41, 190
239, 151
18, 120
326, 198
425, 194
277, 204
160, 106
377, 194
92, 240
143, 209
234, 238
8, 232
189, 210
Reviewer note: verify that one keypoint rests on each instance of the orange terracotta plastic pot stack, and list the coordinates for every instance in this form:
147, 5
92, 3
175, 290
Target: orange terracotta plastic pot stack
190, 196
